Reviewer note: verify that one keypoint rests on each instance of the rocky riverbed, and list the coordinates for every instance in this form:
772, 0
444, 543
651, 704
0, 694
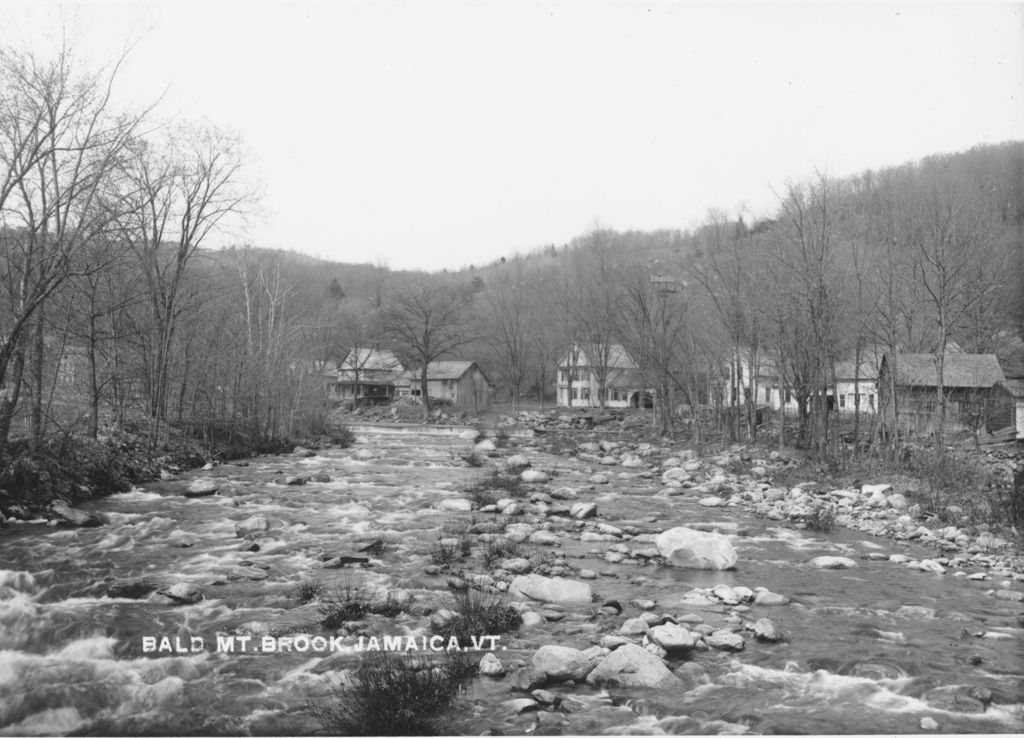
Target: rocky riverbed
656, 591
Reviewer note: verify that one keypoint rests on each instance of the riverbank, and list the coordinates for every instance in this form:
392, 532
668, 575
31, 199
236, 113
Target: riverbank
70, 469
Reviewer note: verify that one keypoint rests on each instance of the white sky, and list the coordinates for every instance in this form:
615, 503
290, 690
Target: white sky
434, 135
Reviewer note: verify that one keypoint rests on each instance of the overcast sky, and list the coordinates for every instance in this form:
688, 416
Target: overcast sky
433, 135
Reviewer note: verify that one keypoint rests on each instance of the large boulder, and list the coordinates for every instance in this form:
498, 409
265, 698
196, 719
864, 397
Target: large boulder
202, 487
533, 476
183, 593
672, 637
833, 562
561, 664
250, 526
77, 517
455, 504
694, 549
632, 666
551, 589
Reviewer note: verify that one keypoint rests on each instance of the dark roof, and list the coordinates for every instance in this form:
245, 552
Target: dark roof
443, 370
624, 379
371, 359
958, 370
1014, 386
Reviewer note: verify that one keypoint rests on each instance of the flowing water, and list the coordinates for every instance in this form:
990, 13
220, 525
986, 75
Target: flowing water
869, 650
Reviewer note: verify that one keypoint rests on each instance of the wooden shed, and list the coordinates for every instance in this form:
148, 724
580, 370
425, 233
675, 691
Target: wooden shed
908, 391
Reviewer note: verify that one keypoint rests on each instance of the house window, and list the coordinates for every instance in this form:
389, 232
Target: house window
585, 393
768, 394
564, 376
789, 397
578, 375
871, 401
842, 401
575, 393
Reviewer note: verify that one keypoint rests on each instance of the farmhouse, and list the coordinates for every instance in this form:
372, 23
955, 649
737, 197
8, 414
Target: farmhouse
367, 375
908, 386
461, 383
579, 382
855, 388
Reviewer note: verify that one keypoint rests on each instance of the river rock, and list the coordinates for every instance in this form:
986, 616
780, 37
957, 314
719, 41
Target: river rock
454, 504
711, 502
132, 588
249, 526
693, 549
77, 517
764, 596
469, 434
320, 477
833, 562
931, 565
765, 630
551, 589
632, 666
561, 664
534, 476
490, 665
183, 593
517, 461
583, 510
303, 452
674, 476
544, 538
725, 640
672, 637
634, 626
522, 704
726, 594
203, 487
363, 454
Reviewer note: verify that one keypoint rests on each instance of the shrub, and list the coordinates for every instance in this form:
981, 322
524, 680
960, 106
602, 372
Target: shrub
445, 552
348, 601
479, 614
394, 694
473, 458
821, 519
499, 548
342, 436
493, 487
458, 528
307, 591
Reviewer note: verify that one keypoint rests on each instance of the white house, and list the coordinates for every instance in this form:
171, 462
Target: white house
578, 383
366, 375
852, 388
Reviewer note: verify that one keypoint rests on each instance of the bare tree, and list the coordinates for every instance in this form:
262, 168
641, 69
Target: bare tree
60, 141
180, 189
950, 241
428, 318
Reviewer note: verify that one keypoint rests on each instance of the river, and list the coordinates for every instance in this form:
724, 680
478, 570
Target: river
872, 649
